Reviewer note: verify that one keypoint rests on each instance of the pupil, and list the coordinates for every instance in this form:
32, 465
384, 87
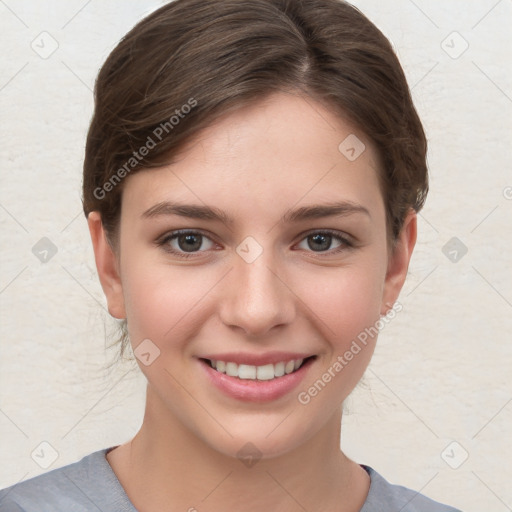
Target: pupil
324, 241
189, 243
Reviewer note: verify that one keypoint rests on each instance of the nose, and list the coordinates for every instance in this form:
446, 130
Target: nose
256, 297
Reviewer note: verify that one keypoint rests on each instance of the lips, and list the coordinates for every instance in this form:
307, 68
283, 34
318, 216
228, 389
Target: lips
256, 378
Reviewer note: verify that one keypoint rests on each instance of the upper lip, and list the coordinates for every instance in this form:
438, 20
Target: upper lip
256, 359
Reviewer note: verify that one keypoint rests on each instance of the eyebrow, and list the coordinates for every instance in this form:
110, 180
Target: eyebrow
338, 209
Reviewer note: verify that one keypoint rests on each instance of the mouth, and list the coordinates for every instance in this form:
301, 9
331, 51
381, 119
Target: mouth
252, 377
266, 372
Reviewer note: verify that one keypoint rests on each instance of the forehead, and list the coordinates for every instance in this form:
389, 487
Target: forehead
285, 150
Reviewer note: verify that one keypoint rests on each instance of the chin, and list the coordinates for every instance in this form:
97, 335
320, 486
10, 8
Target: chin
262, 436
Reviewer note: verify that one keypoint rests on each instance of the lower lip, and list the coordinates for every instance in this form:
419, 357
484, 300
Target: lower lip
256, 390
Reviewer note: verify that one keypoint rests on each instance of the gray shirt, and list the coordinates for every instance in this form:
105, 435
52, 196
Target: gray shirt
91, 485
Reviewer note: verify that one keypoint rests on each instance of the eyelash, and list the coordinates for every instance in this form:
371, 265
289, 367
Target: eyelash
163, 242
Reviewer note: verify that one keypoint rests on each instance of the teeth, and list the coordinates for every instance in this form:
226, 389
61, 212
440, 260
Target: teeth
265, 372
250, 372
289, 367
279, 369
232, 369
246, 371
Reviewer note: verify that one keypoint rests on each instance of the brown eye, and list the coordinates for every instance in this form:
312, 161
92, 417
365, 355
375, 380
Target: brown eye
319, 242
325, 241
189, 243
186, 242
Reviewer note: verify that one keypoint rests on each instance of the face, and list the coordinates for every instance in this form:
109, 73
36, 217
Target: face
264, 243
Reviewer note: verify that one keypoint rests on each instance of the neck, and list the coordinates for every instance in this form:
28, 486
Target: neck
166, 463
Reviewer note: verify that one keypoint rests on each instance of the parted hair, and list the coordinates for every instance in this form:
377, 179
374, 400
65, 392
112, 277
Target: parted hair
192, 61
219, 55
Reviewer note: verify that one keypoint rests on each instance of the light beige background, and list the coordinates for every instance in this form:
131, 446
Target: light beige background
440, 374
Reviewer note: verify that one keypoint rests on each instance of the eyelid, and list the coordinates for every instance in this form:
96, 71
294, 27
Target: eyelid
184, 231
163, 241
327, 231
346, 241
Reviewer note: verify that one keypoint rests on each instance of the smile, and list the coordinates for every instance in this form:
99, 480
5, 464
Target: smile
256, 377
252, 372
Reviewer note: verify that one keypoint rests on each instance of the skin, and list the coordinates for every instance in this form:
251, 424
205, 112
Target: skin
254, 164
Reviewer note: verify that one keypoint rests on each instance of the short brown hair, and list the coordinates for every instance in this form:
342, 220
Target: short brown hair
192, 61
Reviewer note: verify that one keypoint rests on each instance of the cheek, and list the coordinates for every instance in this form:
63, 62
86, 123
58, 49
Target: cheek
346, 302
347, 305
160, 299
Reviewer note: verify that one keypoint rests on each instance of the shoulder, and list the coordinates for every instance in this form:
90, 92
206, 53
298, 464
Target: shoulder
89, 484
396, 497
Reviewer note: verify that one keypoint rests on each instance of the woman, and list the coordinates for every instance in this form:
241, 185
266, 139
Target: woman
252, 176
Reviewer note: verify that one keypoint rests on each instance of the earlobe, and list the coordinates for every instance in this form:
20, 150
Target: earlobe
398, 263
107, 266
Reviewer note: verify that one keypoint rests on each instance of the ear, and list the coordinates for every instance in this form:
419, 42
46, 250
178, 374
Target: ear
398, 262
106, 263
